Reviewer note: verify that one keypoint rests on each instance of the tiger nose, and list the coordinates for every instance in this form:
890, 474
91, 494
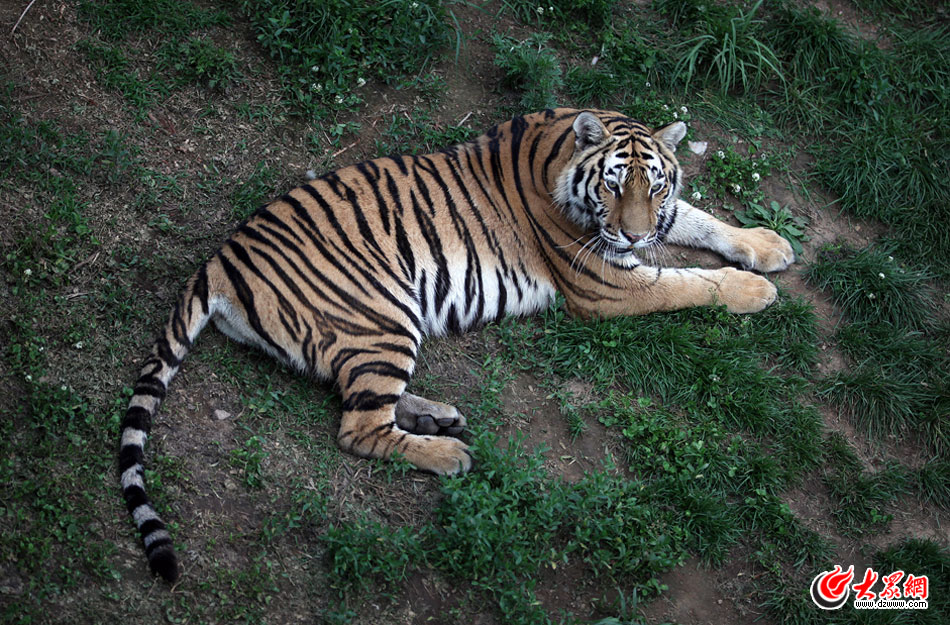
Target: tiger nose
633, 238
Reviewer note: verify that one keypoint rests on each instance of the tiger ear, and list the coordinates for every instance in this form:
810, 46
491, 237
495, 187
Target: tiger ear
588, 131
670, 135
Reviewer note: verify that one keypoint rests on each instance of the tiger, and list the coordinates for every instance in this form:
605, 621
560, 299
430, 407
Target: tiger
342, 278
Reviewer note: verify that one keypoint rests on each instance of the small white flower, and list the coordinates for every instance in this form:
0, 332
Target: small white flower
721, 154
675, 115
414, 5
890, 258
684, 109
540, 10
881, 276
647, 83
551, 9
29, 378
754, 164
870, 295
696, 196
63, 387
360, 82
736, 189
315, 68
339, 99
666, 108
27, 272
756, 176
78, 345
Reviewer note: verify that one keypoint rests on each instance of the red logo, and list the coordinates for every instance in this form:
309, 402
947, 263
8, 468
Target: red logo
830, 589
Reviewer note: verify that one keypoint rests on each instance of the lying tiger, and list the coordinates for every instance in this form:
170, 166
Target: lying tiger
342, 277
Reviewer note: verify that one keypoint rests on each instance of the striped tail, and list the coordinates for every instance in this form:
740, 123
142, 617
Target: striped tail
189, 317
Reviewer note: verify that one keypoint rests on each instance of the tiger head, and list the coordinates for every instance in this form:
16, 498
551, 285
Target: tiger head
621, 183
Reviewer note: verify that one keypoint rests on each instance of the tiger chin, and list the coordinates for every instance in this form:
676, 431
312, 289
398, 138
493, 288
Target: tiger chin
343, 277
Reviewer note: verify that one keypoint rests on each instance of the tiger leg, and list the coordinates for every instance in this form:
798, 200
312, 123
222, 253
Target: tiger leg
758, 249
374, 425
643, 290
422, 416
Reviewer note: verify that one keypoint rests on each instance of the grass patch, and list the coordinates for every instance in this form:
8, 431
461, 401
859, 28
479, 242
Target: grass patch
251, 193
117, 19
200, 61
570, 13
870, 286
809, 44
727, 49
326, 52
705, 368
530, 67
419, 134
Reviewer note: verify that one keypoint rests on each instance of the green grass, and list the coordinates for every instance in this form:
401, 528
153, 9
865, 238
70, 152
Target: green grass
419, 134
201, 61
570, 13
118, 19
251, 193
871, 286
810, 44
727, 48
327, 52
531, 67
709, 368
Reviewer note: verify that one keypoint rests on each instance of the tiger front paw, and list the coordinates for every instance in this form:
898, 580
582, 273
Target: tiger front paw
744, 292
761, 249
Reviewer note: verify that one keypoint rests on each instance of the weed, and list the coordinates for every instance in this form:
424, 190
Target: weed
890, 401
326, 52
810, 44
739, 176
587, 86
116, 158
363, 552
593, 13
249, 459
419, 134
200, 61
872, 342
778, 218
862, 498
575, 421
872, 287
727, 47
115, 19
248, 195
739, 115
530, 67
801, 103
933, 482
